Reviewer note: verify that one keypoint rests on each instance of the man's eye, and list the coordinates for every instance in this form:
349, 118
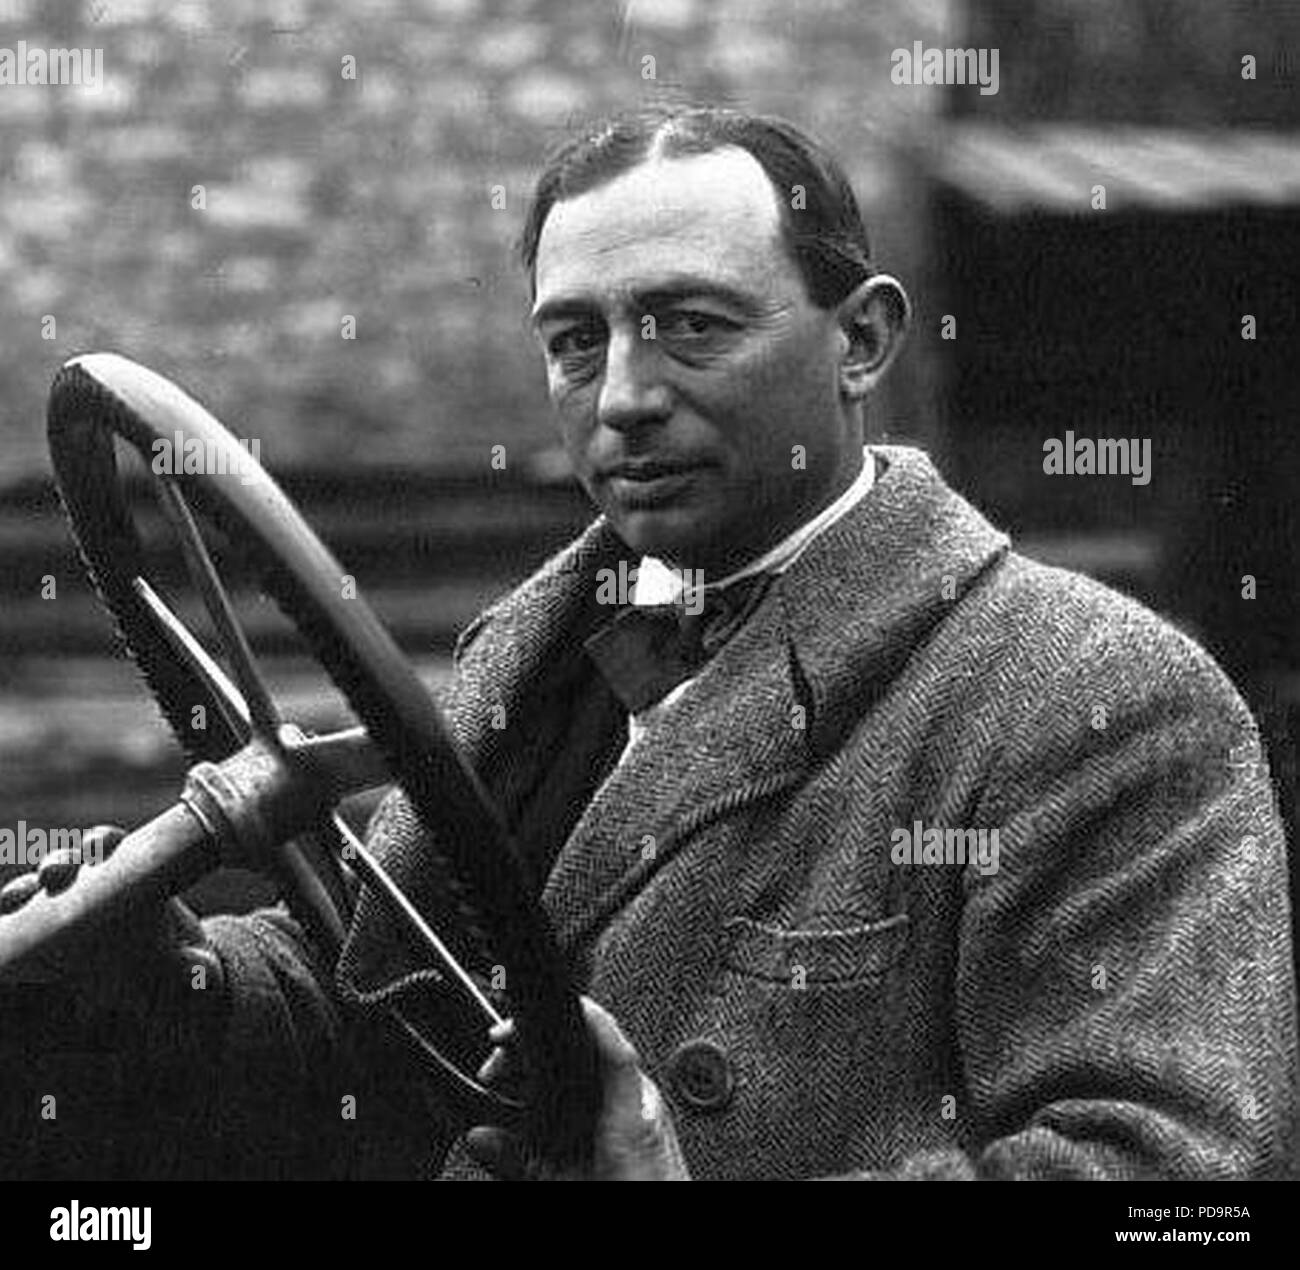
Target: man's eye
577, 341
693, 323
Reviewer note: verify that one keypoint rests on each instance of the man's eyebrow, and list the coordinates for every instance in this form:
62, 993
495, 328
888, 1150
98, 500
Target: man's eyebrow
570, 307
665, 293
695, 289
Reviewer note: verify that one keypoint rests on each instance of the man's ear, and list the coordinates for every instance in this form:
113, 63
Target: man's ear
874, 317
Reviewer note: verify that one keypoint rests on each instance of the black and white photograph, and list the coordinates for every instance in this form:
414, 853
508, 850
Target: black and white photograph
649, 590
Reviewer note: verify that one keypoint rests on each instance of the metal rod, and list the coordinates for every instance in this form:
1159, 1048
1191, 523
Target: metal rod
261, 708
373, 872
230, 700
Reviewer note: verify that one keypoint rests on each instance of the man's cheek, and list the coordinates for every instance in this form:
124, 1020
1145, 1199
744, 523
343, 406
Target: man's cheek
562, 386
575, 439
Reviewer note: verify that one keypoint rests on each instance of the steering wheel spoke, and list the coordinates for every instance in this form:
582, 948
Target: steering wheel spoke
264, 717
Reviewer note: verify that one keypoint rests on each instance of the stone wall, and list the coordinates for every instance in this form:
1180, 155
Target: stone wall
372, 197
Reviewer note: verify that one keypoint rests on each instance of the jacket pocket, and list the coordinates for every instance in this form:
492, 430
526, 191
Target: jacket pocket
853, 954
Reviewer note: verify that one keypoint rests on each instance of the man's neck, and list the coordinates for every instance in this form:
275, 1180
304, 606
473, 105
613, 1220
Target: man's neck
660, 581
724, 564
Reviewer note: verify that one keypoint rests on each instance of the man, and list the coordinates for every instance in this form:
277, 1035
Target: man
897, 854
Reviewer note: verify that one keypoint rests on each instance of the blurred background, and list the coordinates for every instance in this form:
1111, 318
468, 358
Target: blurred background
326, 197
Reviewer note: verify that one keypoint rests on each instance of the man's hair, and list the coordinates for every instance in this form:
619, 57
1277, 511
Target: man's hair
822, 229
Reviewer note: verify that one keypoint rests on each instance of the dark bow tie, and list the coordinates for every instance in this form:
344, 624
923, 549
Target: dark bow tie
645, 651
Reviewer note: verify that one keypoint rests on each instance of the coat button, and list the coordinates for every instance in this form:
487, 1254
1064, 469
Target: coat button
700, 1074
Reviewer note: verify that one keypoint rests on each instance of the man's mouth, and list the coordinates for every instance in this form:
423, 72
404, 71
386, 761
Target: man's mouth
645, 482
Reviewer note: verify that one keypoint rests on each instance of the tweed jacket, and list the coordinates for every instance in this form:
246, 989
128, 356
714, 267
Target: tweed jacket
1114, 998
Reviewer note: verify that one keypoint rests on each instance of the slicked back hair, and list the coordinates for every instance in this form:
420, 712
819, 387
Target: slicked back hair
822, 229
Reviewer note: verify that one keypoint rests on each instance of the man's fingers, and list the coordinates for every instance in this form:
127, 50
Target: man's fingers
17, 891
611, 1044
100, 841
635, 1136
58, 870
637, 1139
163, 943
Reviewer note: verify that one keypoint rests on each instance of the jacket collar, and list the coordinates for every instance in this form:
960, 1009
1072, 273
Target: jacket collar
864, 593
858, 596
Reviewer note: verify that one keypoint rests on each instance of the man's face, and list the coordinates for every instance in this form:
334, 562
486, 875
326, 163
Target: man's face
686, 362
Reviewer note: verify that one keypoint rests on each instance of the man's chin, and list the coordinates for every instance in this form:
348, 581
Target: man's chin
674, 535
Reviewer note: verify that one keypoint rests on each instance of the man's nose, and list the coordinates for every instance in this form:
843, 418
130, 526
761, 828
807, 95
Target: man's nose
633, 391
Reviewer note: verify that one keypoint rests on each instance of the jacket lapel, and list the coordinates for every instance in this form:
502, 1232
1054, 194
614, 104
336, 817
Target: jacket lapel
522, 675
506, 711
734, 738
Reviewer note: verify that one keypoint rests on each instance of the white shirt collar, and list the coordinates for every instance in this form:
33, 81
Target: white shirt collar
660, 583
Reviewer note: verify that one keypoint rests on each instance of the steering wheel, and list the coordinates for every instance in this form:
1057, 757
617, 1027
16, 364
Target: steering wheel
278, 789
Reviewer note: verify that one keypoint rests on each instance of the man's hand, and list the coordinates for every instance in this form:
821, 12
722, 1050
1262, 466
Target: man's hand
104, 1039
122, 969
635, 1138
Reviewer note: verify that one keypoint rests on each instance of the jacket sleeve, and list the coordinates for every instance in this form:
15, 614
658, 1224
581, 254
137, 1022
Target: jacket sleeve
302, 1089
275, 1054
1125, 988
173, 1078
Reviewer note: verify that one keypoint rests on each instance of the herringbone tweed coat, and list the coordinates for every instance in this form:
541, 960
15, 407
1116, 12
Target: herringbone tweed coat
1116, 999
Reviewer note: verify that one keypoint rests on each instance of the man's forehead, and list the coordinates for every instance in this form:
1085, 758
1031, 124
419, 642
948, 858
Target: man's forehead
714, 215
